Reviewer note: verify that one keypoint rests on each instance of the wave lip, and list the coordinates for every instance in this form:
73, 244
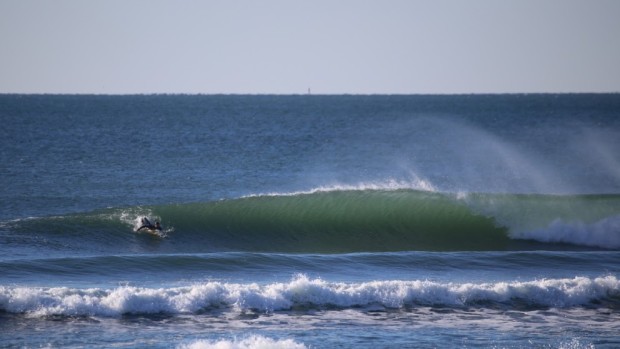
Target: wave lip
304, 293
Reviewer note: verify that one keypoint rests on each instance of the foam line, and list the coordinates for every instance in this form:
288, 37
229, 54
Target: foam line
307, 293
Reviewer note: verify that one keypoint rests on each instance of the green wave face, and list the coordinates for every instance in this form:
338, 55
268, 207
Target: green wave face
357, 221
341, 221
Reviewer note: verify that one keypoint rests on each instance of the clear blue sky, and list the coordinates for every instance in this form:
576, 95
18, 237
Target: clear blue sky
330, 46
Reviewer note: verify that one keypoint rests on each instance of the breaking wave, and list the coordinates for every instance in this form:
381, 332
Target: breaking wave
305, 293
352, 221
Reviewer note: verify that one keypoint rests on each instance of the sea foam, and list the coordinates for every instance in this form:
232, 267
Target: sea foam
252, 342
604, 233
303, 292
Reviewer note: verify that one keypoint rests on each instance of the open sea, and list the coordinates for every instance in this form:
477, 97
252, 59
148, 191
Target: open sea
307, 221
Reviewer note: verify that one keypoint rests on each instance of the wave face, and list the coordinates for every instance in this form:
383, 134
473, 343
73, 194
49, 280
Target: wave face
346, 221
305, 293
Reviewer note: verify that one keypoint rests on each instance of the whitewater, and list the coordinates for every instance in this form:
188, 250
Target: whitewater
302, 292
470, 221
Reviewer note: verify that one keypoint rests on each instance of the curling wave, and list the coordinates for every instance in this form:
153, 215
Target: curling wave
355, 221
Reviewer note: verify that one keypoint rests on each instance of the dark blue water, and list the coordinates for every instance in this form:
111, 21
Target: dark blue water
310, 221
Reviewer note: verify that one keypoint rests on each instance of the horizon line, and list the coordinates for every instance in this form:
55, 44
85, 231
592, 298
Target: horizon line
292, 94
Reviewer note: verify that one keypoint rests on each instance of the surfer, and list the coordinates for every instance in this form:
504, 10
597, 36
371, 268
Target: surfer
146, 224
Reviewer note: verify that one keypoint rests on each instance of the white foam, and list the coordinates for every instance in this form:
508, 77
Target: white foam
253, 342
575, 344
301, 291
604, 233
415, 183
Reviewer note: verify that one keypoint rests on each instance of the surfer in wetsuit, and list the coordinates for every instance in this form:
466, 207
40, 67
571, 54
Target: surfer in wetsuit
146, 224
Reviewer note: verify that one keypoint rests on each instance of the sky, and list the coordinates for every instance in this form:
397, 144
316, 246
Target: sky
328, 46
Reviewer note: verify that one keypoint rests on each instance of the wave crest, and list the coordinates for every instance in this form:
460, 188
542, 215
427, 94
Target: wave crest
303, 292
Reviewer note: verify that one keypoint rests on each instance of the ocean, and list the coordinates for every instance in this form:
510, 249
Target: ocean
308, 221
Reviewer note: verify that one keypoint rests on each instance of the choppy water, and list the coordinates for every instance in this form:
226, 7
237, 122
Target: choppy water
310, 221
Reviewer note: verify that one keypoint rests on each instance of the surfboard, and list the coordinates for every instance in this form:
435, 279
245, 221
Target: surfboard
155, 232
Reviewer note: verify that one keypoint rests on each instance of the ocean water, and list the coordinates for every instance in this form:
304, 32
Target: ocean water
465, 221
